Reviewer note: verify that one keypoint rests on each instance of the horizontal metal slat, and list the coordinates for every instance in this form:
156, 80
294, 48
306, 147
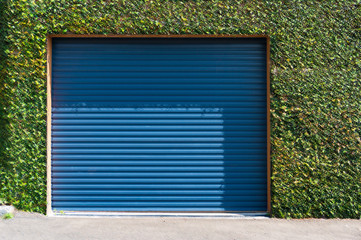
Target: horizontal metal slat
224, 116
155, 169
142, 115
166, 49
158, 198
224, 146
157, 86
225, 180
172, 74
157, 151
229, 174
204, 104
158, 44
177, 57
174, 50
94, 163
159, 98
167, 209
160, 139
151, 110
173, 186
174, 68
249, 156
160, 62
146, 92
155, 204
157, 127
157, 133
164, 192
165, 80
228, 122
124, 43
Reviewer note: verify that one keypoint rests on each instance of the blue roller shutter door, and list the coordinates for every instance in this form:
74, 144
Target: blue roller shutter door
159, 124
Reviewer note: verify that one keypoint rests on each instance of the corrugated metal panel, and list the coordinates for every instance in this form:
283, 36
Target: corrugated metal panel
159, 124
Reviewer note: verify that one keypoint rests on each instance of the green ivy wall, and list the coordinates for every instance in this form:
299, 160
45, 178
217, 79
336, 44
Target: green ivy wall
315, 84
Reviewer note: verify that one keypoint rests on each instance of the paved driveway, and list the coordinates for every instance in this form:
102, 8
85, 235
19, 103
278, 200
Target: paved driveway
38, 227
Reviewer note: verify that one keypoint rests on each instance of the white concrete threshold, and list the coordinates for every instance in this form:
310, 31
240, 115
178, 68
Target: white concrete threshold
262, 215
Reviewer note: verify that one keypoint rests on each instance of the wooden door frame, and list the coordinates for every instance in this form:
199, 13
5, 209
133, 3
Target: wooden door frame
50, 37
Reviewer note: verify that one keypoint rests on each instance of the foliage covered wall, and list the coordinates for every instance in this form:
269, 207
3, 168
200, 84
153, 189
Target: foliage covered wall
315, 81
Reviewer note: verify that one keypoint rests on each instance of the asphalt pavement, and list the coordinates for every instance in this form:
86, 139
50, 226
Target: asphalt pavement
39, 227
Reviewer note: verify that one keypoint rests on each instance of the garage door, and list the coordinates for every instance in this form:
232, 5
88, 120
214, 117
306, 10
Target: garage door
160, 124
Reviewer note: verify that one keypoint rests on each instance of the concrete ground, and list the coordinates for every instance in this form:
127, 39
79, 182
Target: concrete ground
38, 227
